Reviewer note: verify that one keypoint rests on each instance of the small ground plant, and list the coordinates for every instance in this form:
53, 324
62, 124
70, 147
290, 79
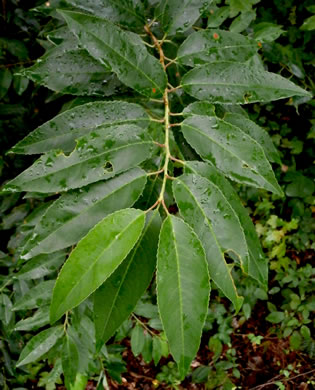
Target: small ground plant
137, 174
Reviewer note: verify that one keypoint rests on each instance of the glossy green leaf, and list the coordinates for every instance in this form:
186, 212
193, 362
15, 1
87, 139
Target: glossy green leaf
64, 225
127, 13
36, 296
6, 314
62, 131
257, 266
182, 289
256, 132
213, 45
38, 320
228, 82
41, 266
73, 72
231, 150
199, 108
177, 16
100, 155
116, 298
95, 258
70, 360
123, 51
208, 212
39, 345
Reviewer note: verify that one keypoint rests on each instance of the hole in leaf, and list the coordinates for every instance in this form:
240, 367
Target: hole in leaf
108, 167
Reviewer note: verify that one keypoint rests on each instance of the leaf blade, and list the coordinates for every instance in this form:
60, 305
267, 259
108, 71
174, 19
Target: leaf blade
63, 226
102, 249
175, 259
119, 291
62, 131
219, 142
127, 56
227, 82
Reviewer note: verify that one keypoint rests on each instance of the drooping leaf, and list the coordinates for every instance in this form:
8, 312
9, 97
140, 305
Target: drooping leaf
70, 360
63, 225
127, 13
177, 16
182, 289
231, 150
228, 82
41, 265
257, 266
73, 72
38, 320
117, 297
207, 211
123, 51
36, 296
199, 108
100, 155
95, 258
256, 132
62, 131
39, 345
213, 45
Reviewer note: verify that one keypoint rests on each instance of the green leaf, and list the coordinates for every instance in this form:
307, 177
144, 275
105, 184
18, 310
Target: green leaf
73, 72
123, 51
182, 289
39, 345
36, 296
199, 108
127, 13
62, 131
218, 229
95, 258
256, 132
137, 340
38, 320
218, 16
177, 16
267, 32
257, 267
227, 82
231, 150
309, 24
64, 225
5, 81
237, 6
242, 21
275, 317
41, 266
70, 360
157, 349
116, 298
208, 46
147, 348
101, 154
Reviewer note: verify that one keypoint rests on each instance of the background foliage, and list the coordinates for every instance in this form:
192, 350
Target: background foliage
268, 322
